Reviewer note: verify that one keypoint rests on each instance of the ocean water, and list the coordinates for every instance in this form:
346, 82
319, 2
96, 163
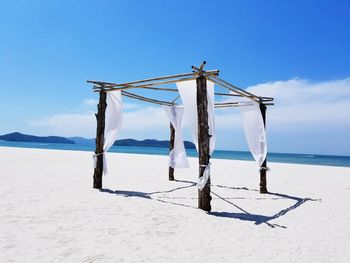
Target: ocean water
314, 159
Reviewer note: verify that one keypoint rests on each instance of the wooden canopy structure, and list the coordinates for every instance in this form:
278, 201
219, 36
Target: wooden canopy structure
201, 76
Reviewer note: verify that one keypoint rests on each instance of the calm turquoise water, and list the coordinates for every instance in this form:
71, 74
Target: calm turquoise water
330, 160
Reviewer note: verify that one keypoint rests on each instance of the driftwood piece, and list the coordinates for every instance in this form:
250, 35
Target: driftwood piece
263, 187
248, 94
142, 98
204, 197
100, 118
193, 74
171, 146
237, 91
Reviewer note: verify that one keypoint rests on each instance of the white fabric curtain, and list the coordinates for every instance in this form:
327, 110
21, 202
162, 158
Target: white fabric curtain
254, 130
188, 94
177, 156
113, 122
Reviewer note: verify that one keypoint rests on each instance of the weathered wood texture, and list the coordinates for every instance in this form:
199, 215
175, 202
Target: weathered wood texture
204, 197
103, 84
263, 187
171, 146
100, 118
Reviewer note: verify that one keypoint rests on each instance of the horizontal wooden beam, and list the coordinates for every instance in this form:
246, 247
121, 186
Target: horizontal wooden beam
142, 98
254, 98
167, 103
111, 84
238, 90
238, 95
175, 90
234, 87
109, 88
235, 104
155, 84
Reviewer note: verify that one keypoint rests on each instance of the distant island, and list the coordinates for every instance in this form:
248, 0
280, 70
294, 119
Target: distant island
20, 137
150, 143
132, 142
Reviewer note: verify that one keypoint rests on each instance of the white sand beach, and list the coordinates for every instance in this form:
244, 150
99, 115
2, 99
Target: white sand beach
51, 213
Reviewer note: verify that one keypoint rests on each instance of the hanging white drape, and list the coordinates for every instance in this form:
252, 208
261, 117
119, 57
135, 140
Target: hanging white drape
113, 122
188, 94
177, 156
254, 130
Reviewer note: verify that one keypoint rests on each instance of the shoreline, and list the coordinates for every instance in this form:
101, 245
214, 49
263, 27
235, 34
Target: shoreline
213, 157
156, 147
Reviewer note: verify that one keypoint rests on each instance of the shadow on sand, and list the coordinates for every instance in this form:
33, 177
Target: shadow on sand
242, 215
126, 193
262, 219
149, 195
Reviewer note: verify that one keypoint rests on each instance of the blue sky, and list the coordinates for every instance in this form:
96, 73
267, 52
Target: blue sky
297, 51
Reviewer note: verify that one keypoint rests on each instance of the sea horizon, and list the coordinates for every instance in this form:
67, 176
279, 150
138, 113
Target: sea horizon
275, 157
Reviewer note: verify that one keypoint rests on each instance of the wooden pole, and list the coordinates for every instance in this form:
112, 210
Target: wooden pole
204, 197
263, 188
248, 94
100, 118
255, 98
135, 96
171, 146
208, 72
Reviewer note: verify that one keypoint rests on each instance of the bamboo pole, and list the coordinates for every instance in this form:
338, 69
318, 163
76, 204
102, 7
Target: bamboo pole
175, 90
240, 91
235, 87
140, 81
264, 99
226, 103
235, 105
234, 90
100, 118
159, 88
200, 69
160, 102
228, 94
238, 95
210, 75
149, 101
138, 97
173, 101
150, 79
172, 81
255, 98
263, 169
110, 88
146, 87
216, 93
204, 197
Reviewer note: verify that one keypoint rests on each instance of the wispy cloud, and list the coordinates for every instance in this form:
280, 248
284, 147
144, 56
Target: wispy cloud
90, 102
131, 106
65, 124
135, 119
305, 103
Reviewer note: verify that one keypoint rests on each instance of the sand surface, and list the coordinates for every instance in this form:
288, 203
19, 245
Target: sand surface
51, 213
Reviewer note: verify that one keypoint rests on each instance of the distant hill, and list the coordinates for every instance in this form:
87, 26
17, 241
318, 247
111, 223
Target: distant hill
82, 141
150, 143
131, 142
19, 137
